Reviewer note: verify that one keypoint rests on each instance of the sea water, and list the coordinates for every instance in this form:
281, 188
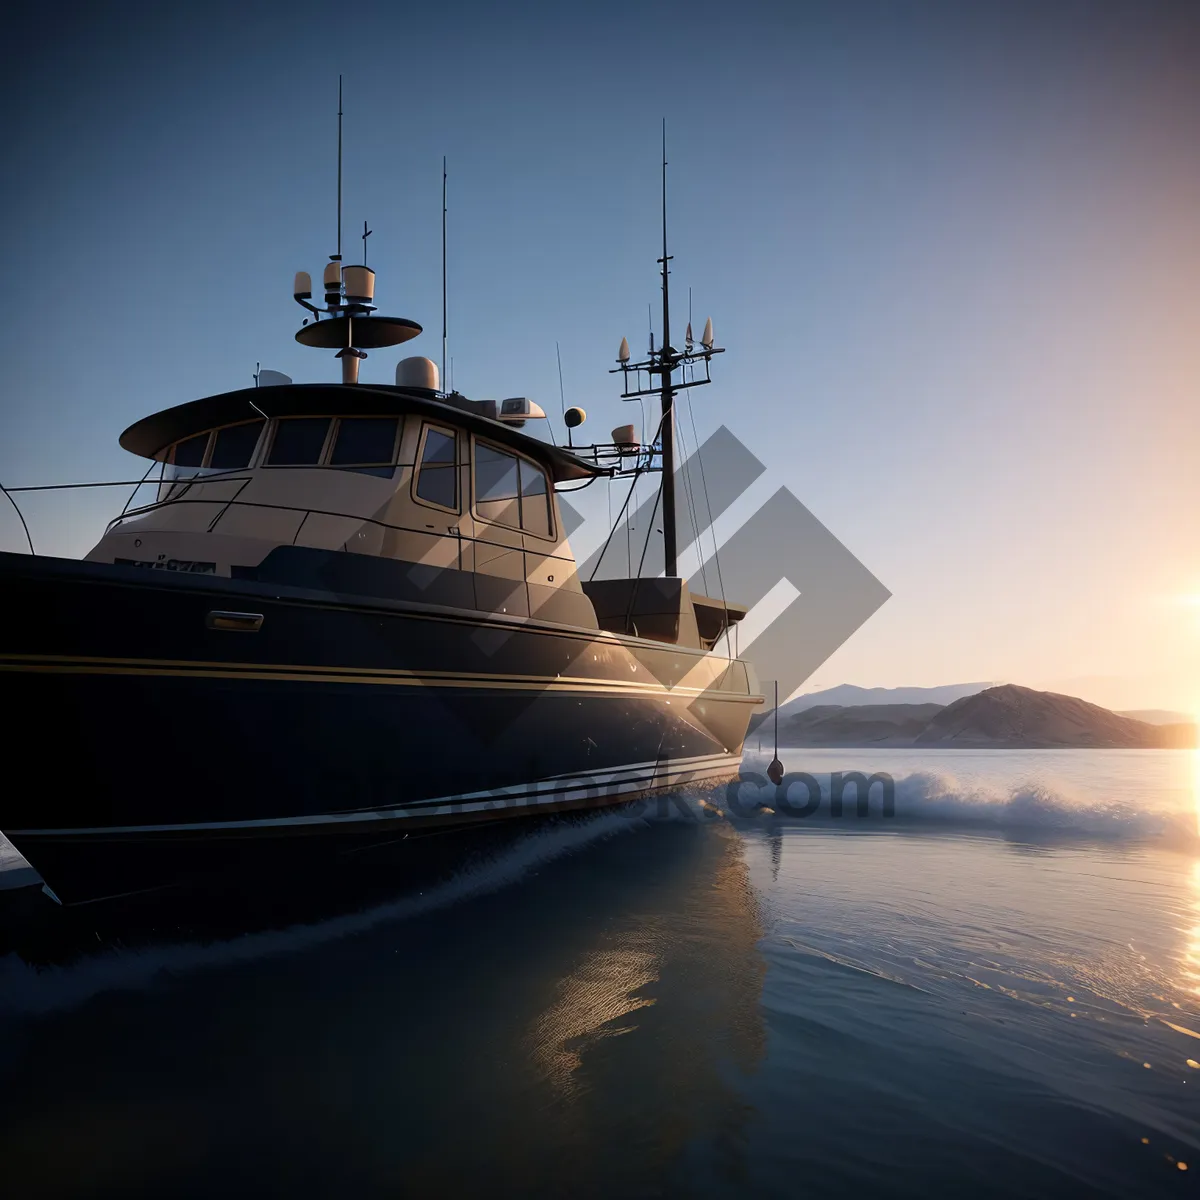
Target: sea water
995, 991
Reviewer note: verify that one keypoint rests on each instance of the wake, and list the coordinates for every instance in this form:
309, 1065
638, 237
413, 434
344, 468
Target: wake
27, 990
1028, 806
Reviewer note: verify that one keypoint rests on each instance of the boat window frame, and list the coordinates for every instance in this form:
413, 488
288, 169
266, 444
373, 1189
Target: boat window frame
254, 454
390, 466
537, 466
335, 423
169, 459
418, 461
549, 536
177, 486
322, 458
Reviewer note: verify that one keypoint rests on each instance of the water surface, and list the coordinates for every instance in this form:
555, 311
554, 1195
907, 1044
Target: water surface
995, 992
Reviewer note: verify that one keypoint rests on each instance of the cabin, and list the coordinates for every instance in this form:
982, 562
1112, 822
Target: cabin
401, 492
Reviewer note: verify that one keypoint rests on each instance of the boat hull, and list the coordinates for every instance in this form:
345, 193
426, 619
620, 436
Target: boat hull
187, 743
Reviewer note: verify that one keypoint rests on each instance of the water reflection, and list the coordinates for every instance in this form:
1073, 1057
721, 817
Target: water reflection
502, 1046
1191, 953
591, 1002
1196, 779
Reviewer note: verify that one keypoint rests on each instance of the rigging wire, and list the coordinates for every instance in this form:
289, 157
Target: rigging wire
629, 535
711, 527
636, 475
691, 502
562, 399
153, 463
645, 546
608, 494
21, 518
628, 526
604, 548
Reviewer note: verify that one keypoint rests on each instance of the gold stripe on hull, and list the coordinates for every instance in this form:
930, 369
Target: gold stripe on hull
188, 669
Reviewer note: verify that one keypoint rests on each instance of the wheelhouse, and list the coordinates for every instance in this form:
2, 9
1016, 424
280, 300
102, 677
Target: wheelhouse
399, 493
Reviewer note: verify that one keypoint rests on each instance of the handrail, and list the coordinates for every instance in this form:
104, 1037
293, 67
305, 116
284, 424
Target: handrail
322, 512
210, 477
244, 477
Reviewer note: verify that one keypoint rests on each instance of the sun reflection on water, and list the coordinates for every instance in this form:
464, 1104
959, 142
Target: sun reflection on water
1191, 954
1196, 776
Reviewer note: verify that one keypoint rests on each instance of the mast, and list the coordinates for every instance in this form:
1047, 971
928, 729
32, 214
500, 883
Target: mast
443, 380
349, 300
670, 536
663, 362
338, 256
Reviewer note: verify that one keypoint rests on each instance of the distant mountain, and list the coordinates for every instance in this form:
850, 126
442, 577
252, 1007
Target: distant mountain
852, 725
848, 695
1159, 716
1012, 717
1006, 717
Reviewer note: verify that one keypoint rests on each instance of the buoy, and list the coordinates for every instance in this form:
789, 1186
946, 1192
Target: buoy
775, 770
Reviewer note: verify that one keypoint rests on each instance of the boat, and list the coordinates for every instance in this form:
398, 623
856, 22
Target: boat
349, 617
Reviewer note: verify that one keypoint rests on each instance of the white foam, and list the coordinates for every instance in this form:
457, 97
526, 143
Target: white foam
1016, 804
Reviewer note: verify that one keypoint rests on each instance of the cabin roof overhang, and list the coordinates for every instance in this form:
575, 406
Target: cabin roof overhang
150, 436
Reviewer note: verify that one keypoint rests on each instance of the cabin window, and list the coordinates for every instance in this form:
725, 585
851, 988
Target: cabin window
366, 444
233, 446
298, 442
437, 474
497, 490
188, 457
535, 500
511, 491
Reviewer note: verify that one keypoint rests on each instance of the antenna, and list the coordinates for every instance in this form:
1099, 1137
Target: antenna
668, 395
349, 301
338, 258
562, 396
443, 268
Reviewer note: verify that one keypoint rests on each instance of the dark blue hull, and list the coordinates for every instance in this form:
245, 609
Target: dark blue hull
157, 745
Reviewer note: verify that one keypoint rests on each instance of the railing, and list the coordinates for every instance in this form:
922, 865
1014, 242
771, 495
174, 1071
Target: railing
186, 484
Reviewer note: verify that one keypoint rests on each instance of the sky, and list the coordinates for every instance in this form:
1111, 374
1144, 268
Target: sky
953, 252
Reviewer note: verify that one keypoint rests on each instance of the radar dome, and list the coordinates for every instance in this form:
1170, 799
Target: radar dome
417, 373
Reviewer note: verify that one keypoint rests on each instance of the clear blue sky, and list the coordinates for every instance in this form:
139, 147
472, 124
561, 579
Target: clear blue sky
953, 251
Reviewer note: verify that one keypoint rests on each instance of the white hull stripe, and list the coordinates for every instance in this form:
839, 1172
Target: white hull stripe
545, 793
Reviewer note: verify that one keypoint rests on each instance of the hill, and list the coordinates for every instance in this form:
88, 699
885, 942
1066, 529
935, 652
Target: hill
851, 725
1159, 716
1007, 717
849, 695
1012, 717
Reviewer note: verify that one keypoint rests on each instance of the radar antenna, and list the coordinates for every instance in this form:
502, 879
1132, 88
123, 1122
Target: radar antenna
349, 300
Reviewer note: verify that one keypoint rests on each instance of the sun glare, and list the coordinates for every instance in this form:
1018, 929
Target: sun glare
1196, 782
